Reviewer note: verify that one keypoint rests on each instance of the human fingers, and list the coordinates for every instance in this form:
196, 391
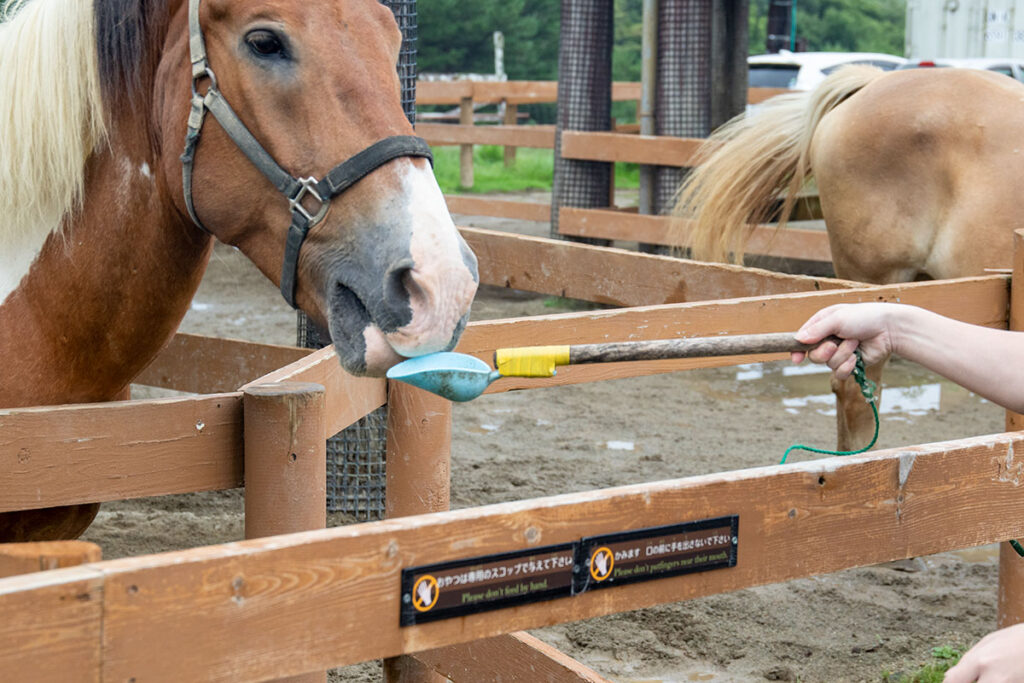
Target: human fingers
797, 357
820, 325
844, 360
823, 352
966, 671
993, 659
845, 369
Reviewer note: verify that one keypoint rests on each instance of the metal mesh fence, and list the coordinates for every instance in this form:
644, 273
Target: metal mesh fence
584, 102
356, 456
683, 103
405, 15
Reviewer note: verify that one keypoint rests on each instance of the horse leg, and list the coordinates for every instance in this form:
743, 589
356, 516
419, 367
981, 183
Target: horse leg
855, 423
47, 524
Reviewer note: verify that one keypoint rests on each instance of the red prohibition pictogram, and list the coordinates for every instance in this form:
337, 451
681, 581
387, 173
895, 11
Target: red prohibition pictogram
602, 561
425, 593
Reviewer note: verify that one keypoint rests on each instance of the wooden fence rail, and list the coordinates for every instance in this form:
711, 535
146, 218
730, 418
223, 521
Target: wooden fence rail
533, 92
292, 604
100, 452
281, 606
612, 224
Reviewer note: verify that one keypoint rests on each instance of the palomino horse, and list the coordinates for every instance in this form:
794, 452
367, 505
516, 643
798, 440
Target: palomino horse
105, 237
918, 172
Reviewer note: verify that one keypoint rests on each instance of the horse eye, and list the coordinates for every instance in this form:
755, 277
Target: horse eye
265, 43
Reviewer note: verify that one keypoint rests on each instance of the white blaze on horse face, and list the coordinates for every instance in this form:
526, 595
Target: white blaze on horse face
440, 285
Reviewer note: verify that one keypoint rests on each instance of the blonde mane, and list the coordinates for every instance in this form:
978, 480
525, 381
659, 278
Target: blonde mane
51, 119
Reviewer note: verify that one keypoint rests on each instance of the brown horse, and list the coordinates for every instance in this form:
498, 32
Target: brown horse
105, 238
918, 172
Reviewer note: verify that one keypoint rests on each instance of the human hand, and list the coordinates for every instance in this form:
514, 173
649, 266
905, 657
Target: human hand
863, 326
996, 658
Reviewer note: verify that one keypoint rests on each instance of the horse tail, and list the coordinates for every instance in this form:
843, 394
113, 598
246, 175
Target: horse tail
745, 165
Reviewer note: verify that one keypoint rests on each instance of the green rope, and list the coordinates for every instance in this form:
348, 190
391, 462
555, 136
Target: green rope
867, 389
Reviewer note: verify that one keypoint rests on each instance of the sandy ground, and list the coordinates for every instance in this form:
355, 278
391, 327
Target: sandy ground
855, 625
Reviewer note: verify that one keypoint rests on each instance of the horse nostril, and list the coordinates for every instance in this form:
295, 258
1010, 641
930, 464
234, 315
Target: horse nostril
399, 283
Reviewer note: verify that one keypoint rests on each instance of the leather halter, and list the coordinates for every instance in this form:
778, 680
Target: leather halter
296, 190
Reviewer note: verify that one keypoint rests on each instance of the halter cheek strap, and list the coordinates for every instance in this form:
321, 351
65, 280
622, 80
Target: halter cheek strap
297, 190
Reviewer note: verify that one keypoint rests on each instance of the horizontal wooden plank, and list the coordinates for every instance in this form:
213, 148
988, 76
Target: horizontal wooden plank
501, 208
525, 92
978, 300
97, 452
514, 658
206, 365
796, 243
620, 277
659, 150
515, 92
274, 607
512, 92
440, 134
53, 630
348, 398
442, 92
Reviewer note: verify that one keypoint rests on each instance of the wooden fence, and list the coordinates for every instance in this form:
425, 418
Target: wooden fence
608, 223
287, 605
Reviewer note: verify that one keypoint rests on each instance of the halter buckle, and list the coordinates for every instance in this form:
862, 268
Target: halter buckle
307, 186
199, 73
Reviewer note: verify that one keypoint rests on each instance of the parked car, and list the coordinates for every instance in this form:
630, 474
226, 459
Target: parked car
1014, 68
805, 70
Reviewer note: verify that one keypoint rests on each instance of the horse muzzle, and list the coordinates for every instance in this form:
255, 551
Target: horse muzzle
417, 305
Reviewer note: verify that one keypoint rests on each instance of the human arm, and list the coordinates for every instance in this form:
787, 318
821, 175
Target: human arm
996, 658
986, 361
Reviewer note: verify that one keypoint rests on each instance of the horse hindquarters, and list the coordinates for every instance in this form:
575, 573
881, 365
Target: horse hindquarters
747, 164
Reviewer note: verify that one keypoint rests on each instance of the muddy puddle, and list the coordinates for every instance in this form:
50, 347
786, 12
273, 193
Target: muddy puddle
908, 390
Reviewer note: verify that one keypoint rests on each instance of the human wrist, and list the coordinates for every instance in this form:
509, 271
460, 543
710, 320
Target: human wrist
902, 323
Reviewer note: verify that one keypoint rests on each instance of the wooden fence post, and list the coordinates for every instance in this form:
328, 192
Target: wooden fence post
511, 119
466, 151
1011, 565
419, 443
285, 465
23, 558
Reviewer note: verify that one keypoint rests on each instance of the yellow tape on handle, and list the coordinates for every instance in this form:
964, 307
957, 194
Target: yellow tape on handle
530, 361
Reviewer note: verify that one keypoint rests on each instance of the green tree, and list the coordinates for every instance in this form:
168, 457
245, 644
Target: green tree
839, 25
628, 40
457, 37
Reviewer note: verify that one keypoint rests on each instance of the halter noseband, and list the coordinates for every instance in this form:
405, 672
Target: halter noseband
296, 190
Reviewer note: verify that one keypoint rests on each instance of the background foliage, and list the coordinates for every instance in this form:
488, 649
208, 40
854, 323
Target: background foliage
455, 36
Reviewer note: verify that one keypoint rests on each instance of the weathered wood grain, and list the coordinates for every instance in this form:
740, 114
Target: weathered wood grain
91, 453
619, 277
980, 300
273, 607
23, 558
792, 242
207, 365
348, 397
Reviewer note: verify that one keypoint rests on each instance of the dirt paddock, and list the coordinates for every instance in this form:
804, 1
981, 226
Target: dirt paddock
855, 625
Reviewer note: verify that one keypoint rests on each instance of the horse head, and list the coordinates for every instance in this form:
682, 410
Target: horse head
369, 249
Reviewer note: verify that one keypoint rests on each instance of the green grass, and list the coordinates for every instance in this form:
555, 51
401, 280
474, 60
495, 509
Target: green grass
944, 658
532, 170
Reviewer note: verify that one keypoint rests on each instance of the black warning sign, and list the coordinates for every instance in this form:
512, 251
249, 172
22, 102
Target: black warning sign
477, 584
656, 552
